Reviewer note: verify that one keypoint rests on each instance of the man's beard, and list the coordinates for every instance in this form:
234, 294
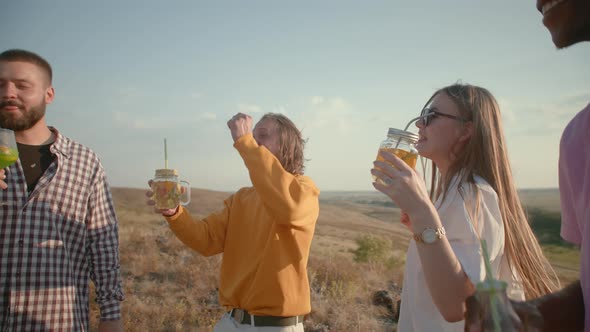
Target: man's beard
27, 119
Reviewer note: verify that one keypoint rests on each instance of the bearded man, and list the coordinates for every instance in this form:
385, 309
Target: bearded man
58, 227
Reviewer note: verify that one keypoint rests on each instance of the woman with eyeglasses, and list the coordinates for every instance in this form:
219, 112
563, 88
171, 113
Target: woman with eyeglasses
472, 198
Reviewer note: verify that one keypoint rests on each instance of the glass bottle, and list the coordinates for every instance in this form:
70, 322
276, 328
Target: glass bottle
169, 191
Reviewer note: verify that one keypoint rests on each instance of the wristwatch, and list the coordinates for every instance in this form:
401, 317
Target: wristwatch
430, 235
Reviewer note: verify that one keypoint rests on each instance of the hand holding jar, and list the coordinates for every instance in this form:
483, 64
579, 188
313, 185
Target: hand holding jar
402, 184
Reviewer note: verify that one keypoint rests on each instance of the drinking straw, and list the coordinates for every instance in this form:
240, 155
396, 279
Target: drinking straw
412, 121
406, 129
486, 260
165, 155
490, 280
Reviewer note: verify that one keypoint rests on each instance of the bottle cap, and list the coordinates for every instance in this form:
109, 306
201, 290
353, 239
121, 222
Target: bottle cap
403, 134
166, 172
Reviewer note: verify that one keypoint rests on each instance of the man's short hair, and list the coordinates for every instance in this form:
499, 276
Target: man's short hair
29, 57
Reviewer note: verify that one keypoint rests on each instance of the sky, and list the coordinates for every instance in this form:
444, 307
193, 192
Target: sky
129, 73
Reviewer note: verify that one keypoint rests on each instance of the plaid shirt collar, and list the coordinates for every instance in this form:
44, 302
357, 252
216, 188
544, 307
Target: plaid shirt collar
61, 144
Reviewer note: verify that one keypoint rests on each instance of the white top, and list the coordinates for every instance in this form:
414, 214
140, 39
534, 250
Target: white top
418, 311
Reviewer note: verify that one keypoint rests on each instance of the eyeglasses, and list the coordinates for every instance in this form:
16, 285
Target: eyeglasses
429, 114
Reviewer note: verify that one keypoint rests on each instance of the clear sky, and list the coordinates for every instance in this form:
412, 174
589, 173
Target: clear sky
129, 73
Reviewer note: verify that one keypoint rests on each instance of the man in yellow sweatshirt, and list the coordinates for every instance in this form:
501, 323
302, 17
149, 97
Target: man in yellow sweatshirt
264, 231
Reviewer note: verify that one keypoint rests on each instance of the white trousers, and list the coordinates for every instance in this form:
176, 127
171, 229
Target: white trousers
228, 324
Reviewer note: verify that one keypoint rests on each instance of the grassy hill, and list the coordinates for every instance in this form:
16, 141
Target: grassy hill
544, 212
170, 288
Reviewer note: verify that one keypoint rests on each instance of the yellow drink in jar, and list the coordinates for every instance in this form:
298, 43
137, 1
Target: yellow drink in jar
401, 143
169, 191
166, 194
408, 157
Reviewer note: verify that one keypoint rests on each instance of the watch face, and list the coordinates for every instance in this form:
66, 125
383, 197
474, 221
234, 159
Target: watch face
429, 235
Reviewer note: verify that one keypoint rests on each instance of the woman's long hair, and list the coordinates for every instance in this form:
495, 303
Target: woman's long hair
485, 154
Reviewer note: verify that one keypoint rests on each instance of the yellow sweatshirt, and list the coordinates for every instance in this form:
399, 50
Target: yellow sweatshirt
264, 233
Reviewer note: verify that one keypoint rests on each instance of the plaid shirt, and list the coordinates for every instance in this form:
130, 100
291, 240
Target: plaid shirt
54, 239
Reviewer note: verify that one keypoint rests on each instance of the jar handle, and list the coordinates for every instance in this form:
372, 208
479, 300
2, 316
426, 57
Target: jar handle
185, 198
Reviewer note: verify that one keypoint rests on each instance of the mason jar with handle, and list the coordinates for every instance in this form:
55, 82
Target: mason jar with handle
169, 191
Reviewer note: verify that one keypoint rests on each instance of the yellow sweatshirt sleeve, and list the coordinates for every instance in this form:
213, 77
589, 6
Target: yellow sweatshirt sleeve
205, 236
291, 199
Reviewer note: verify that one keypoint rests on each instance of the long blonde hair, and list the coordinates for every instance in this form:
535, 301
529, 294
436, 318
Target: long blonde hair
485, 155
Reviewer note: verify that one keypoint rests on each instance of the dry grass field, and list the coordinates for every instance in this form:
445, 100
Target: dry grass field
170, 288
